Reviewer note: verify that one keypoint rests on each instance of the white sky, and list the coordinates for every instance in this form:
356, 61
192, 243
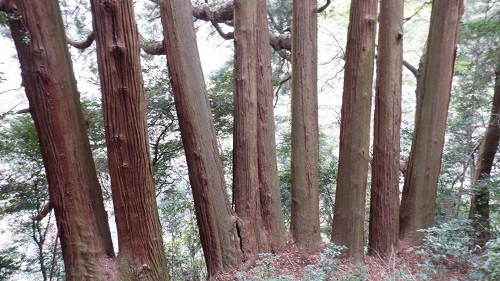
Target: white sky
11, 93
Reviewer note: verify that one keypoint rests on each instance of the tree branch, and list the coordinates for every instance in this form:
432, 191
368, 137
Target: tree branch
281, 41
154, 48
84, 44
411, 68
322, 8
222, 13
26, 110
226, 36
218, 13
43, 213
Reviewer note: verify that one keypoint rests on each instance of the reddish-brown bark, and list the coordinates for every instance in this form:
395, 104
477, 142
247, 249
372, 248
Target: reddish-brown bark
270, 197
50, 86
216, 220
349, 212
141, 251
480, 206
245, 153
255, 183
304, 223
419, 193
384, 199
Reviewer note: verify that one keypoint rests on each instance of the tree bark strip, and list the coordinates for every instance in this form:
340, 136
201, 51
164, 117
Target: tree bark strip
304, 223
420, 189
270, 195
50, 85
349, 211
384, 199
216, 220
245, 154
141, 250
480, 208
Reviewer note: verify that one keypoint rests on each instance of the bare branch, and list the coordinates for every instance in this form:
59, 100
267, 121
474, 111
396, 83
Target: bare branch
284, 54
218, 13
10, 90
279, 88
322, 8
411, 68
417, 11
26, 110
281, 41
82, 45
154, 48
43, 213
226, 36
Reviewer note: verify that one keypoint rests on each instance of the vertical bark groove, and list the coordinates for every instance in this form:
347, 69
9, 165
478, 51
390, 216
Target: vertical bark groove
349, 211
140, 240
479, 211
216, 221
384, 205
419, 193
50, 85
304, 223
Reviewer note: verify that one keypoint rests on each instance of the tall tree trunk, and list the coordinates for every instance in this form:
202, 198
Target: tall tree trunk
349, 212
384, 205
270, 195
75, 193
142, 254
256, 191
479, 208
419, 192
216, 220
304, 222
245, 153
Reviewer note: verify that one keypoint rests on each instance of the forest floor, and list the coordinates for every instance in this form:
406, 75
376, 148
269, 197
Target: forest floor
405, 264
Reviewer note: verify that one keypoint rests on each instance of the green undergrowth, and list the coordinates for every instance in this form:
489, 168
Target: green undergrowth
326, 269
447, 253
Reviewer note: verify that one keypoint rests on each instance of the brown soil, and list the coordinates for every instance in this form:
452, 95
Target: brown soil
291, 262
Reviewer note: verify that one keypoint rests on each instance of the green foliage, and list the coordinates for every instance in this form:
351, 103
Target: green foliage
470, 107
182, 243
3, 18
326, 269
327, 266
9, 263
280, 15
327, 177
491, 265
221, 99
446, 246
23, 191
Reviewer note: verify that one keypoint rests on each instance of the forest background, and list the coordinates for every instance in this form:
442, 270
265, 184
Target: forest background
28, 245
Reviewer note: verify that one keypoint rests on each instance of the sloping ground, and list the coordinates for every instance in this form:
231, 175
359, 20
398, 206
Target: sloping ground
406, 264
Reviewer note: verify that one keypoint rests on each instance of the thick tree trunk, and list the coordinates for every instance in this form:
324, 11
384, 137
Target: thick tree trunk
256, 191
141, 251
419, 193
304, 223
245, 154
480, 209
270, 195
349, 212
384, 205
216, 220
50, 86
